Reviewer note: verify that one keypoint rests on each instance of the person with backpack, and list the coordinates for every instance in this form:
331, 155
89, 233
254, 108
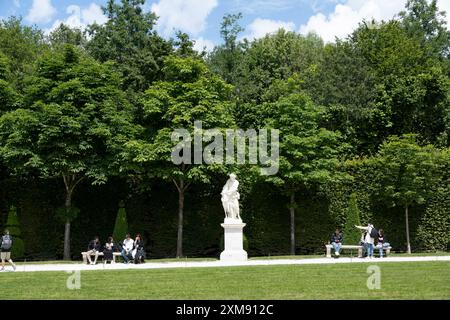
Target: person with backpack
336, 242
5, 250
370, 235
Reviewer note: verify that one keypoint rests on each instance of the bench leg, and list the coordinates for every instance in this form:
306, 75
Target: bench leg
84, 258
359, 252
328, 252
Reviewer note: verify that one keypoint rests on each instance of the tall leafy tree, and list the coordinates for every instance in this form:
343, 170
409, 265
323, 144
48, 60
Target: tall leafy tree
64, 34
184, 46
422, 19
225, 59
343, 81
73, 125
9, 99
274, 58
277, 56
404, 174
188, 93
128, 38
410, 88
309, 153
22, 45
381, 81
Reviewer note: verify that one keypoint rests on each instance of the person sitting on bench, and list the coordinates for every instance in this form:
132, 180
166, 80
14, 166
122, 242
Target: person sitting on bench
109, 249
138, 252
382, 243
336, 242
93, 248
127, 248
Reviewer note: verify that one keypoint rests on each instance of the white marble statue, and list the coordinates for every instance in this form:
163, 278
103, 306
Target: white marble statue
230, 198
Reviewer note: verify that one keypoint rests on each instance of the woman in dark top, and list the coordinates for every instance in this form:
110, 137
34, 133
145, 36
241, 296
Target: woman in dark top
382, 243
139, 253
109, 250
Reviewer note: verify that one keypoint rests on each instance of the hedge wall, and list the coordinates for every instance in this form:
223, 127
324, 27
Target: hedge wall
154, 214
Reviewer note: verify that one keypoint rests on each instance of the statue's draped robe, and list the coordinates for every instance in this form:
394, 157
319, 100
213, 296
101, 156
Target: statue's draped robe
230, 197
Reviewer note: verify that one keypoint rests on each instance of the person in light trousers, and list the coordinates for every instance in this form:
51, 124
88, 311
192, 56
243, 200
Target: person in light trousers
368, 240
336, 242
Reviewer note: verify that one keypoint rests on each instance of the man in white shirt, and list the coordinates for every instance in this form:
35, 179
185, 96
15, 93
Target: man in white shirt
368, 240
127, 248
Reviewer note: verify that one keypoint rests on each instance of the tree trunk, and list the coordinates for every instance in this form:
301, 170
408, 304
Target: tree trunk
67, 204
292, 211
181, 190
408, 244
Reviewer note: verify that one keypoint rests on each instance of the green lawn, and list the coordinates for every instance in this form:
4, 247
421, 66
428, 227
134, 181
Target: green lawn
407, 280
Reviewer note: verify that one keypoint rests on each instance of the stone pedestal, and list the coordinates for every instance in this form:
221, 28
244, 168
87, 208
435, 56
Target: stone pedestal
233, 241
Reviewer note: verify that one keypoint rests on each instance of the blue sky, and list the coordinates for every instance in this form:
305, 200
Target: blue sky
201, 18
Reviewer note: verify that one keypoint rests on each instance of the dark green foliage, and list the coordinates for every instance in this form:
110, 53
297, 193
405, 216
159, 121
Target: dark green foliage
121, 225
64, 34
67, 213
9, 99
13, 225
276, 57
352, 235
22, 45
225, 59
129, 40
423, 20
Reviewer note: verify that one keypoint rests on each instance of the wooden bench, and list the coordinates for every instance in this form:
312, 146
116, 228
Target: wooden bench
355, 247
100, 254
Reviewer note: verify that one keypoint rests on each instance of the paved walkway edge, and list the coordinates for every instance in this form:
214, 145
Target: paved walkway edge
203, 264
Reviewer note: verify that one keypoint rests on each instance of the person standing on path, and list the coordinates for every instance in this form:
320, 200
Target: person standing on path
369, 238
5, 250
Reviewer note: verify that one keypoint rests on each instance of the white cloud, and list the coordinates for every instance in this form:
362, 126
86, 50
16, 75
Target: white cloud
185, 15
203, 44
444, 5
16, 3
81, 18
41, 11
260, 27
346, 16
92, 14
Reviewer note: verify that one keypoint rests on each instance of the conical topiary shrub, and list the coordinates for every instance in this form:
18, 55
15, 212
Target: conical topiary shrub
352, 235
13, 225
121, 226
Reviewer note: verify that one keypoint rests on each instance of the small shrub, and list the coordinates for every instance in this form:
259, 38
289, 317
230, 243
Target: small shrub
13, 225
121, 225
